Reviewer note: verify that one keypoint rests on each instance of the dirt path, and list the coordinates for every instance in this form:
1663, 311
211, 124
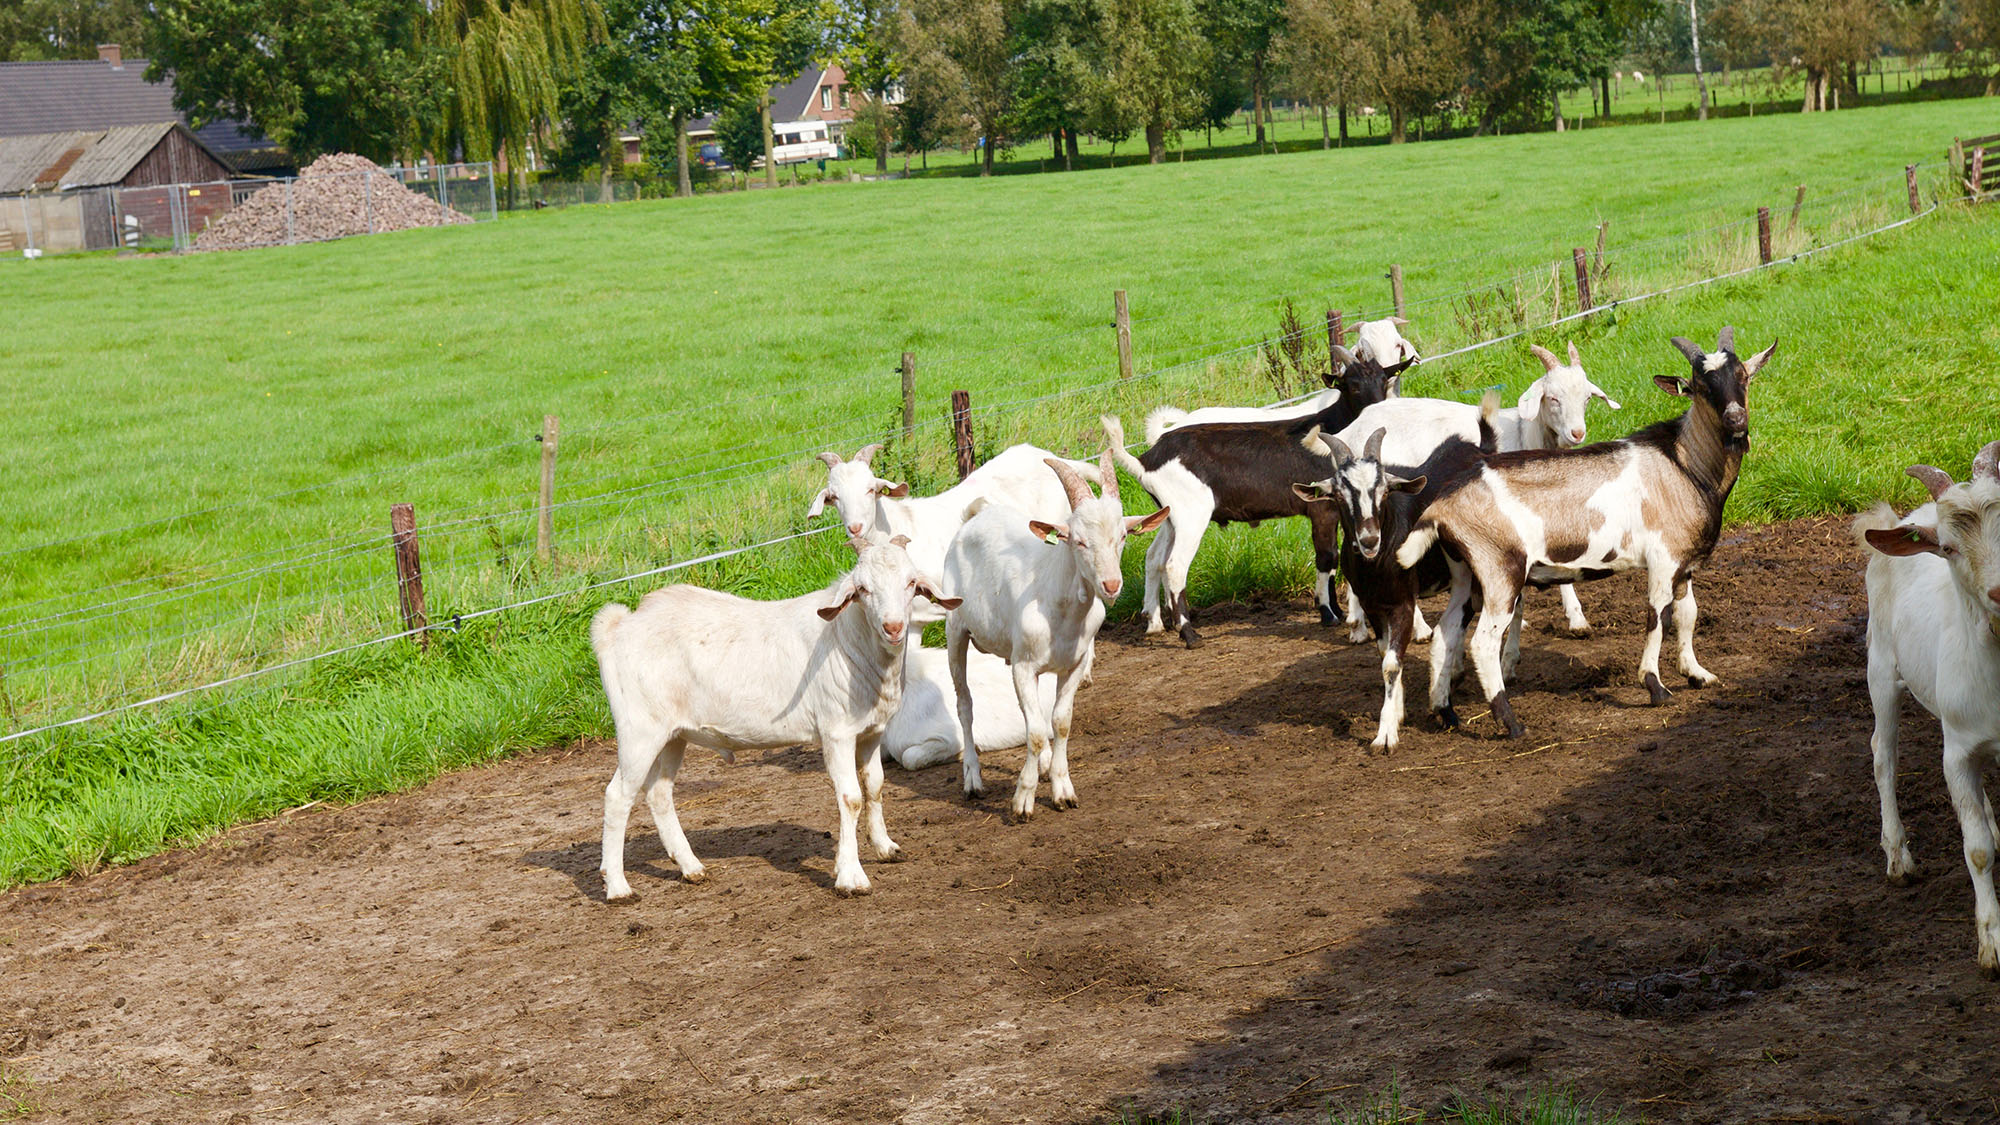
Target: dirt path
1247, 912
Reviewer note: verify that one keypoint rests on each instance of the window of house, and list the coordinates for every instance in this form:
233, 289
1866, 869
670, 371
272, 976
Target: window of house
826, 97
843, 98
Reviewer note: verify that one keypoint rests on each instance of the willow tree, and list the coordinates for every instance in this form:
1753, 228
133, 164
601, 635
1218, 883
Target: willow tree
508, 58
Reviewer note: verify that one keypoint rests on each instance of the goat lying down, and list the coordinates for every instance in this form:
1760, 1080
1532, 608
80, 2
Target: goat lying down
924, 731
1652, 499
1550, 414
1934, 628
692, 666
1378, 505
1017, 476
1239, 472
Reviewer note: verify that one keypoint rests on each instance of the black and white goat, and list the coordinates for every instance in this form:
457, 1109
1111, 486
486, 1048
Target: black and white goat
1379, 505
1934, 628
1241, 472
1652, 499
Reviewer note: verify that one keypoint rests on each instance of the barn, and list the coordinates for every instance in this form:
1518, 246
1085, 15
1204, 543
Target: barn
50, 176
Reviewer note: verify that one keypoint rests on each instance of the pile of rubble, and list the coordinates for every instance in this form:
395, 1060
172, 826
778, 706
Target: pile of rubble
335, 196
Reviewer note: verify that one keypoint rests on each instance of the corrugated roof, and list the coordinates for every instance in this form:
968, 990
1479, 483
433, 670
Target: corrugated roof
54, 97
80, 158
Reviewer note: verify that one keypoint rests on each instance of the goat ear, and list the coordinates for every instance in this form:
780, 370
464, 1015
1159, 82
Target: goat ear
1136, 524
868, 452
1548, 358
1048, 532
831, 459
929, 589
1914, 540
898, 489
1598, 392
842, 597
902, 541
1756, 362
1414, 484
1531, 399
1312, 492
819, 503
1672, 384
1935, 479
1691, 350
1575, 359
859, 542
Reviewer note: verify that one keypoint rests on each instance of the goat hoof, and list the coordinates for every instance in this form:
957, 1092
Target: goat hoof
852, 890
1189, 637
892, 854
1657, 690
1327, 618
627, 899
695, 875
1448, 717
975, 793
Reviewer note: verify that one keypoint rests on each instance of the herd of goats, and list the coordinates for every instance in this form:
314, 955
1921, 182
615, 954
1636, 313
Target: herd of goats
1406, 497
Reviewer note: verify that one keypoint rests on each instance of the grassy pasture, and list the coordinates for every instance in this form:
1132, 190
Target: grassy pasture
706, 336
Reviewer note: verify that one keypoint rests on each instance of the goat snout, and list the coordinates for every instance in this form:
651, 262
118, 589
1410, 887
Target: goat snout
894, 631
855, 528
1368, 541
1576, 435
1737, 419
1993, 596
1112, 586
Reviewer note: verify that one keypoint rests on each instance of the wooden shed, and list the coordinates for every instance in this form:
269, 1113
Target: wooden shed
51, 179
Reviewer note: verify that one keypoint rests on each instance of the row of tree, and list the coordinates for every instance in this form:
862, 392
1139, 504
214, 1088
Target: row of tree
477, 78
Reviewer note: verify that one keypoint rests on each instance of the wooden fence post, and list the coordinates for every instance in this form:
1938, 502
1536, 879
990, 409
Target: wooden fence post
1396, 288
545, 520
1764, 236
909, 396
409, 571
1798, 201
1975, 183
1335, 331
1958, 158
1583, 301
1123, 322
1910, 178
961, 431
1597, 259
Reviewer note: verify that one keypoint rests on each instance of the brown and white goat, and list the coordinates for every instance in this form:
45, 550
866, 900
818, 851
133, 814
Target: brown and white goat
1543, 517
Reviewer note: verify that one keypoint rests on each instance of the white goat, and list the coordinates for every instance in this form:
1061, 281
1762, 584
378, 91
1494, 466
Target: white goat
1549, 415
1382, 340
1016, 477
1934, 627
1034, 595
692, 666
924, 731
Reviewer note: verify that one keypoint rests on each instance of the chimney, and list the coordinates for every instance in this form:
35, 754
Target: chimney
109, 52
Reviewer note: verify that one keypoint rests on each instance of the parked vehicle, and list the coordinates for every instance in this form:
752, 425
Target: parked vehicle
710, 156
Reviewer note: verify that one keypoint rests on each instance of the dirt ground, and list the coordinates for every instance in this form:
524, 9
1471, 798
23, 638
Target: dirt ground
1679, 911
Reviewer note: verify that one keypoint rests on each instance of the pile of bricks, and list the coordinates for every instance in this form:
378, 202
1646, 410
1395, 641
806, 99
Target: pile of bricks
335, 196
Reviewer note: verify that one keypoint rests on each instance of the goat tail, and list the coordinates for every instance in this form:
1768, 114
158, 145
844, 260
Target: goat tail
1881, 517
977, 506
1421, 539
1160, 421
1489, 409
605, 625
1114, 430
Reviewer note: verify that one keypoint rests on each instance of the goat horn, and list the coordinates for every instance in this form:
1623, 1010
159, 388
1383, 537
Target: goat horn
1373, 450
868, 452
1547, 357
830, 458
1072, 484
1725, 341
1107, 473
1690, 349
1935, 479
1987, 464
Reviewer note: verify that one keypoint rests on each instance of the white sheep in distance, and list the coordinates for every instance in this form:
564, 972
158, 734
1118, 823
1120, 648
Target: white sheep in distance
1016, 477
925, 731
1934, 628
692, 666
1550, 414
1034, 595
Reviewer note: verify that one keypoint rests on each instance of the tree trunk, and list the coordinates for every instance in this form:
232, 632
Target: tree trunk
986, 152
1396, 134
1070, 153
770, 166
1604, 95
1156, 142
683, 182
1343, 124
1257, 96
882, 134
1556, 100
1325, 129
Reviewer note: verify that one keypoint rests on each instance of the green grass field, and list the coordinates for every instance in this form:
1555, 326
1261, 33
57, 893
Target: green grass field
217, 438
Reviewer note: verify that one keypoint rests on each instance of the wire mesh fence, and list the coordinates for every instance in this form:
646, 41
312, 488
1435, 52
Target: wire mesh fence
228, 624
241, 214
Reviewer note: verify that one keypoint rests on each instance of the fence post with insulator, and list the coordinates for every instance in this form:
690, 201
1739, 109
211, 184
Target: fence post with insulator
1583, 303
545, 521
1396, 288
1122, 321
909, 396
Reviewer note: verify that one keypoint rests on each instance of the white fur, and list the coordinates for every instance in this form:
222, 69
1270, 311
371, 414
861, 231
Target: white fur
925, 731
692, 666
1017, 477
1934, 628
1384, 340
1037, 605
